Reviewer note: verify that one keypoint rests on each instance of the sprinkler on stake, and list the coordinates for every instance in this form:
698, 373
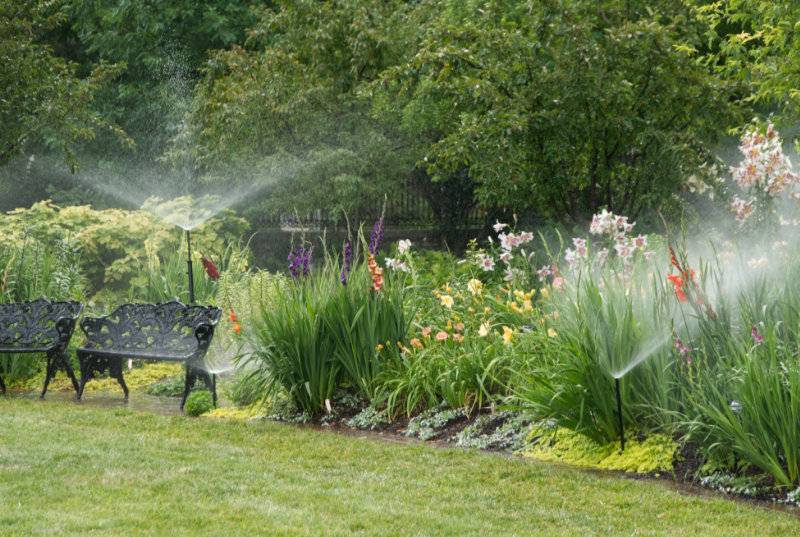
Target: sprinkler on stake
619, 413
189, 263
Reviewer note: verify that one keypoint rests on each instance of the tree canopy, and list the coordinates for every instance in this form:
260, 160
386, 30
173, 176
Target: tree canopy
557, 108
762, 51
565, 107
42, 96
285, 107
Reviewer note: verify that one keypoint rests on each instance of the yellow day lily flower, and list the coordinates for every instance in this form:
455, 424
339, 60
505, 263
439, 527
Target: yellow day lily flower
475, 286
508, 335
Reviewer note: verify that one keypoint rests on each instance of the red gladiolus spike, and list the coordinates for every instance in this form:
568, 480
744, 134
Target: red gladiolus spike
211, 270
680, 294
676, 280
674, 259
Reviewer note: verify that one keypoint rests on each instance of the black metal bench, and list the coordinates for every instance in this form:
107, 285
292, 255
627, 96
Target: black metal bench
168, 331
40, 326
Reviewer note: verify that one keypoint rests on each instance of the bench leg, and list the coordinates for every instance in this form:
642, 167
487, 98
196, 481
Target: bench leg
63, 363
54, 363
192, 373
86, 372
74, 380
115, 371
191, 376
50, 373
91, 364
2, 386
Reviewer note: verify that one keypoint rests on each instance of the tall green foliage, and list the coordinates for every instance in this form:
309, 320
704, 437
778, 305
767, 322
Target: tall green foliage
608, 327
330, 329
293, 350
361, 323
32, 268
744, 386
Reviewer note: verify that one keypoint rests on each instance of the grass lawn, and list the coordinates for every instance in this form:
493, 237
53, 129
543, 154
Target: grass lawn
72, 470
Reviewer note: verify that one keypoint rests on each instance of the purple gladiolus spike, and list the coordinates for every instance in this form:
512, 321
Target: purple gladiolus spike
684, 351
299, 260
377, 237
758, 338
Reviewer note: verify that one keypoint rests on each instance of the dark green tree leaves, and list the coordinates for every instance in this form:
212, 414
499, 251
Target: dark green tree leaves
42, 98
563, 107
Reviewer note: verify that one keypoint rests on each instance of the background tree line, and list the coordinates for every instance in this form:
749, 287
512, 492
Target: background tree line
550, 110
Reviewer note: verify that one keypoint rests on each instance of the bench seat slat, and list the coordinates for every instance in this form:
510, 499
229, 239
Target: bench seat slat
10, 349
134, 354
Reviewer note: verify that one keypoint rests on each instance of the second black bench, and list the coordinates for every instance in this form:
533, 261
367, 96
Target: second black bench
168, 331
40, 326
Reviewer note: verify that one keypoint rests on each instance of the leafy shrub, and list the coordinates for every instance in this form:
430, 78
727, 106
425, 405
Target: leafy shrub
198, 403
113, 242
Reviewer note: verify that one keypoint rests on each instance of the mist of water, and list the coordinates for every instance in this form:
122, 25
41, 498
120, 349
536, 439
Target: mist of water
640, 357
224, 361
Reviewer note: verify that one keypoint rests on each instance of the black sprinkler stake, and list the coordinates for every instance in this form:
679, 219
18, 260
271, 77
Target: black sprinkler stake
619, 413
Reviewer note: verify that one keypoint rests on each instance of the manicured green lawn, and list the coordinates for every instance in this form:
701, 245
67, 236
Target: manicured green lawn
72, 470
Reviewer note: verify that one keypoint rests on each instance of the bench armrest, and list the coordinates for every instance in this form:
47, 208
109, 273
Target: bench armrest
204, 332
65, 326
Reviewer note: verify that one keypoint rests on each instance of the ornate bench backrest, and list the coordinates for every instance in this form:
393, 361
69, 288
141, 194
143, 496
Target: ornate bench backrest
38, 323
170, 328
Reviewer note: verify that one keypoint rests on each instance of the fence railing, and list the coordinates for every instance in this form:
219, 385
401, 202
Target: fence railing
407, 209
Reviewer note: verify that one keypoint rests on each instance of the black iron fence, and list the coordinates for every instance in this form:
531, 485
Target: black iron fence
407, 209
